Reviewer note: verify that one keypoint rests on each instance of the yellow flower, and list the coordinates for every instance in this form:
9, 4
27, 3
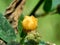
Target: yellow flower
29, 23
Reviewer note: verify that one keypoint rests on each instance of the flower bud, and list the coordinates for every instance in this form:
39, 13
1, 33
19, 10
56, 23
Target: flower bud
29, 23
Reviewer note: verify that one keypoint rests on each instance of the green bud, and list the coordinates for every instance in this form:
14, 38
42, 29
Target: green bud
32, 37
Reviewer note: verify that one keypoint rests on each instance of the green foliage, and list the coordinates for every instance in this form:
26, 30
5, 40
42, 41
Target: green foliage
20, 28
6, 31
21, 33
47, 5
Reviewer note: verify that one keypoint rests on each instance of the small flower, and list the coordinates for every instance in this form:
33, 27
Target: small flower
29, 23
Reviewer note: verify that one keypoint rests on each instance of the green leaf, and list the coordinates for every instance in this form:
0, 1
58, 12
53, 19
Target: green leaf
21, 33
29, 6
49, 27
20, 27
47, 5
6, 31
22, 41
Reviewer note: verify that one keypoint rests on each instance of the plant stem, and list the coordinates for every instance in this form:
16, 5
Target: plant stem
36, 7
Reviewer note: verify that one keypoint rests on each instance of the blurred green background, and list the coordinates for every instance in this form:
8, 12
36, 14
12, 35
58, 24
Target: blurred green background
4, 4
48, 26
